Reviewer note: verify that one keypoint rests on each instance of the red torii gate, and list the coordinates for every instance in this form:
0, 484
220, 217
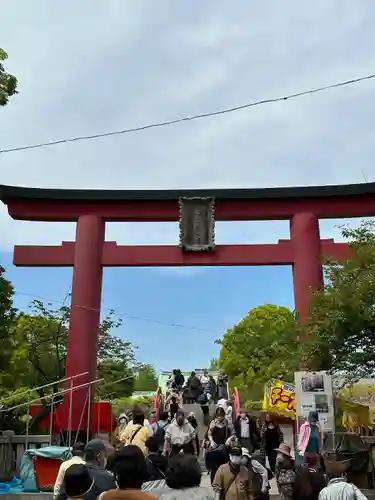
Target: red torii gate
91, 209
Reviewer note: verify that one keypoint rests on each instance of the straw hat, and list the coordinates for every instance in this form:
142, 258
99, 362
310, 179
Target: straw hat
285, 449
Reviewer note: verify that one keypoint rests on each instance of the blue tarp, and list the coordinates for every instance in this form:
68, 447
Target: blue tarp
27, 472
14, 486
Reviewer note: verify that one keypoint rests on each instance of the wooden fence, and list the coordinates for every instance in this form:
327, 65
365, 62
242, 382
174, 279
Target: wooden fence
12, 450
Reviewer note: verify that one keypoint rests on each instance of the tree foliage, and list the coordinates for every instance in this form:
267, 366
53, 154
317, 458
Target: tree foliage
146, 379
261, 346
214, 364
40, 341
342, 322
7, 315
8, 82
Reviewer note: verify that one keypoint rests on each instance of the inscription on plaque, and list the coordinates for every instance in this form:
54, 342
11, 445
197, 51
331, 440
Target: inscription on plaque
197, 224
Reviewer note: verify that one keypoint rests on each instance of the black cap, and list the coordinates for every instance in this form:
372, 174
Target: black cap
78, 448
96, 446
236, 451
77, 481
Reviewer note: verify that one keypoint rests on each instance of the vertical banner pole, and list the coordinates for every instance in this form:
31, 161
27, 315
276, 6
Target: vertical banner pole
70, 414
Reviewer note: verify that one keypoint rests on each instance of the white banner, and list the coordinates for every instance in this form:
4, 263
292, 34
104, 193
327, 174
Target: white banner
314, 393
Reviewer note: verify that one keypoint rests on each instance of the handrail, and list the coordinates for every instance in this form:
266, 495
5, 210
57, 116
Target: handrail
64, 391
70, 389
17, 395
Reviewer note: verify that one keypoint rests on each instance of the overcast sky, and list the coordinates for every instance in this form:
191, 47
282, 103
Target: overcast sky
92, 67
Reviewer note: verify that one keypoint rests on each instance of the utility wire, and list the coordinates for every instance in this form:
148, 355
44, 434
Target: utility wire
125, 316
188, 118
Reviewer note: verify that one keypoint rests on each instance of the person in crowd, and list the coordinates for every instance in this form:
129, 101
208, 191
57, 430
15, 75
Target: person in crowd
310, 480
78, 483
179, 436
205, 381
247, 431
192, 419
130, 471
284, 473
179, 381
122, 422
159, 428
95, 457
77, 458
231, 480
309, 442
338, 488
173, 403
146, 422
227, 406
156, 462
212, 388
136, 432
222, 386
271, 436
204, 403
218, 434
193, 388
171, 379
183, 477
258, 476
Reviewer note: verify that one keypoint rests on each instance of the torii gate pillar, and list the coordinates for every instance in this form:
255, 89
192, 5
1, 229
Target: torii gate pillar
307, 265
84, 314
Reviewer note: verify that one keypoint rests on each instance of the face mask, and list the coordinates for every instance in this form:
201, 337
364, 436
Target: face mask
235, 460
244, 461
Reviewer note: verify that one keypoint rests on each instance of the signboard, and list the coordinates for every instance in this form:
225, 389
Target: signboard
197, 224
314, 393
280, 398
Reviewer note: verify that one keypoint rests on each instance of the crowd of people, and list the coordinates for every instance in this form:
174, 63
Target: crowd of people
161, 460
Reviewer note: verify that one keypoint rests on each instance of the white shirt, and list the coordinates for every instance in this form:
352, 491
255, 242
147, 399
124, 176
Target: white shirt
339, 489
180, 435
245, 428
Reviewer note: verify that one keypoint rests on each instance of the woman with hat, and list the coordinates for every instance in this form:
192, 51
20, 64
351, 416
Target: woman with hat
285, 474
310, 436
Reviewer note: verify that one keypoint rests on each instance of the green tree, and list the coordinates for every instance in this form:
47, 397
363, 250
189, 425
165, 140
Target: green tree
263, 345
7, 317
8, 82
40, 344
146, 379
342, 321
214, 364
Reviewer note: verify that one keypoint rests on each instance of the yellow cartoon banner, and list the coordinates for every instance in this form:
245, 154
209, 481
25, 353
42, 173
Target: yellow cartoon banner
280, 397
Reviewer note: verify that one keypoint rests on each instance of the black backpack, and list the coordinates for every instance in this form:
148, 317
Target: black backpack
160, 433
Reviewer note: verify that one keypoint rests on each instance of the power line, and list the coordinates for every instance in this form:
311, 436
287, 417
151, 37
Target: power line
188, 118
122, 315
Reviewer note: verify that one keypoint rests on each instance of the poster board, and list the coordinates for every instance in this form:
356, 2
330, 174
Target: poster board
314, 393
